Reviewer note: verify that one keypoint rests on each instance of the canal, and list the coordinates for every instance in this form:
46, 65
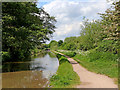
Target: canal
34, 73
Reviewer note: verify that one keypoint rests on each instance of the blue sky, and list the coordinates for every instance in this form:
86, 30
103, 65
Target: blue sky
40, 4
69, 14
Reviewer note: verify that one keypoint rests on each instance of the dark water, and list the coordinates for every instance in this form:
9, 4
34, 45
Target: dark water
31, 74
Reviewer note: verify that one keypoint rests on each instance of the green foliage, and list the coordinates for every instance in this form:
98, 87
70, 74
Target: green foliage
58, 55
60, 42
88, 39
52, 55
108, 45
106, 56
70, 53
42, 46
69, 43
63, 60
24, 26
53, 45
111, 20
5, 56
65, 76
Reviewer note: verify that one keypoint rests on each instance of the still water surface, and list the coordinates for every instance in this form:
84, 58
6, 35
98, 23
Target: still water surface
31, 74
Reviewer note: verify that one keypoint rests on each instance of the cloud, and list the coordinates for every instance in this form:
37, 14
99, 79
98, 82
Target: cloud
69, 15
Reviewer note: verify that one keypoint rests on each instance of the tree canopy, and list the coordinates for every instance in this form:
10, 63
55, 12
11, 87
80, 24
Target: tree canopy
24, 27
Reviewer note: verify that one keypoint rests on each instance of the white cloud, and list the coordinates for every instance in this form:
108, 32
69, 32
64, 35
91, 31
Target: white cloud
69, 15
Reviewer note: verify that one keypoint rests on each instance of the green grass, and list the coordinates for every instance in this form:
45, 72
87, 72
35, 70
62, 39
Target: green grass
108, 68
99, 62
65, 76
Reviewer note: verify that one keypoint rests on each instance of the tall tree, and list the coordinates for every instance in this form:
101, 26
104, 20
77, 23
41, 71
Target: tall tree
111, 25
24, 27
111, 19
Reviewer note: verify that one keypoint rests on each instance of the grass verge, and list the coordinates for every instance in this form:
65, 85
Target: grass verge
65, 76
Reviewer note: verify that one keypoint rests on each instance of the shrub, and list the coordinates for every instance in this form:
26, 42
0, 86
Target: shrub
71, 54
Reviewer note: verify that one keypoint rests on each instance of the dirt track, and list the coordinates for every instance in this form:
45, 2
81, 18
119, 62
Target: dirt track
89, 79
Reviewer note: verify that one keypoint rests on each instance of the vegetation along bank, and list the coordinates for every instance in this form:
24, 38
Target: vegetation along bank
65, 76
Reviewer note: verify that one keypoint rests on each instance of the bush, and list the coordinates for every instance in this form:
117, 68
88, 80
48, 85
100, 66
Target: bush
71, 54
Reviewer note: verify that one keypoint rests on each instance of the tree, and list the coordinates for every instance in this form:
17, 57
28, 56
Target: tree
24, 27
53, 45
70, 43
111, 25
60, 42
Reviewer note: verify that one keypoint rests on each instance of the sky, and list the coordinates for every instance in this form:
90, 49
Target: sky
69, 14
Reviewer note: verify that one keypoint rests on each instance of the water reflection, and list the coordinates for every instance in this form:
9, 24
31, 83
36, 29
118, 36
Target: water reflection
18, 66
47, 64
23, 79
32, 74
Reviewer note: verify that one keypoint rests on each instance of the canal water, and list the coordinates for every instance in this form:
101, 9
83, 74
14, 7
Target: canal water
30, 74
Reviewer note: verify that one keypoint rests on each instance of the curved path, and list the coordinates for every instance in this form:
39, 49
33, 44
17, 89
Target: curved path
90, 79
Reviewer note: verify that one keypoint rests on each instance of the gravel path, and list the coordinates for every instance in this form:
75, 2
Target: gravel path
90, 79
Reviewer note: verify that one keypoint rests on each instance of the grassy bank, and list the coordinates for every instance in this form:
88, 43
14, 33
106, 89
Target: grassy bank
65, 76
98, 62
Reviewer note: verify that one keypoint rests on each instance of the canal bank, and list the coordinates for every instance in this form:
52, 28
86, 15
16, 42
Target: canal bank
65, 77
